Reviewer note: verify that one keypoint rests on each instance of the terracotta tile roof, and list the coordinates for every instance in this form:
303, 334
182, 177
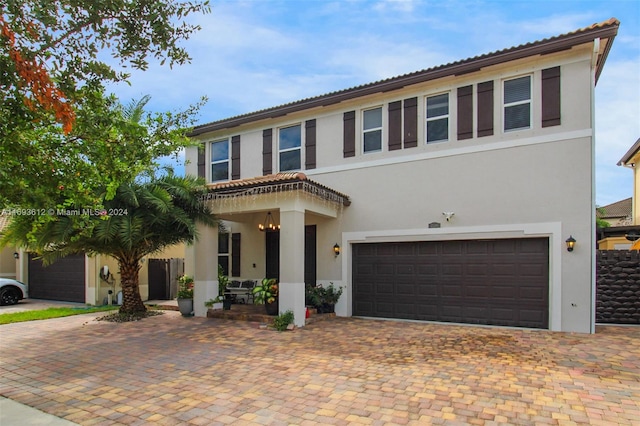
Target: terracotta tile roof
258, 181
605, 30
620, 208
277, 182
632, 151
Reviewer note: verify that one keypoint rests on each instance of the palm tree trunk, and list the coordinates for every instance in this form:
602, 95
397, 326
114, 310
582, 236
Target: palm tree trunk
131, 300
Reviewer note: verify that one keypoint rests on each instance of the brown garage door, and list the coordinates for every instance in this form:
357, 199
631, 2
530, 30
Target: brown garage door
496, 282
62, 280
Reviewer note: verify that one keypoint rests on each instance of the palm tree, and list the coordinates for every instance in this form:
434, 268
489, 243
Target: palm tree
143, 218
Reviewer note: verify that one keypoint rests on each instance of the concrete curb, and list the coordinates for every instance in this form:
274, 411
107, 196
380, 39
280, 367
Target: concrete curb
15, 414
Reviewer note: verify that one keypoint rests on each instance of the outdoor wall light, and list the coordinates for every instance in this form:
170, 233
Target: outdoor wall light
16, 255
336, 249
571, 242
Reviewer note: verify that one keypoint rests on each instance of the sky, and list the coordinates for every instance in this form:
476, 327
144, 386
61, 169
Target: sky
255, 54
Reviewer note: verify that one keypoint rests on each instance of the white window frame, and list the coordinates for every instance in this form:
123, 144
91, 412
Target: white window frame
373, 129
506, 105
297, 148
439, 117
226, 160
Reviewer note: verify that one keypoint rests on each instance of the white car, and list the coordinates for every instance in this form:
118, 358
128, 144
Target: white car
12, 291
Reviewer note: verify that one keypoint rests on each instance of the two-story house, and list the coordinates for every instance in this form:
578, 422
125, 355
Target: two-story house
447, 194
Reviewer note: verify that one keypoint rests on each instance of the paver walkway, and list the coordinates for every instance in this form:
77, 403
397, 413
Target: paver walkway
173, 370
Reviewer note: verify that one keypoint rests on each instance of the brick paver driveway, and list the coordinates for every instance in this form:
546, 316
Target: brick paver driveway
174, 370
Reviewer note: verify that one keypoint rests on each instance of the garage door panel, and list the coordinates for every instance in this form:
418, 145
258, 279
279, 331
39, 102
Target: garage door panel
451, 269
385, 269
427, 250
451, 289
385, 289
62, 280
405, 269
427, 289
453, 247
528, 270
426, 270
501, 282
405, 289
477, 269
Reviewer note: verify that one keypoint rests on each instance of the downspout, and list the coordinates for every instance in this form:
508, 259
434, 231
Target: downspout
594, 62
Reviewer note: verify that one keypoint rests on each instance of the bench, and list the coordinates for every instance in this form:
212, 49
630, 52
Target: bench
240, 292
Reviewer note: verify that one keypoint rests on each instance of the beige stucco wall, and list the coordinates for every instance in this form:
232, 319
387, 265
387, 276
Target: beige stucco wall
636, 195
528, 183
7, 263
97, 289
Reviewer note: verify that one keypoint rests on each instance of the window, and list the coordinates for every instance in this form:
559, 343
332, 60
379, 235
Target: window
438, 118
372, 130
223, 252
517, 103
290, 144
219, 160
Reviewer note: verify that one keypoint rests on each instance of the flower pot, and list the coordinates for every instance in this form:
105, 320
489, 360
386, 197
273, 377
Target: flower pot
185, 306
272, 308
226, 302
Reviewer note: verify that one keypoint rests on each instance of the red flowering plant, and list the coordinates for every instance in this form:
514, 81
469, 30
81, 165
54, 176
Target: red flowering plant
185, 287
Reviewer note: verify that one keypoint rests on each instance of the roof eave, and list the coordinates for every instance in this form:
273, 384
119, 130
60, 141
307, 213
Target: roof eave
607, 31
629, 154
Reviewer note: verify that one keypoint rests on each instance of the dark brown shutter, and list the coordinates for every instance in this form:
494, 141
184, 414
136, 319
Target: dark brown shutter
235, 255
551, 97
485, 109
235, 157
267, 151
465, 112
310, 144
349, 148
411, 122
201, 160
395, 125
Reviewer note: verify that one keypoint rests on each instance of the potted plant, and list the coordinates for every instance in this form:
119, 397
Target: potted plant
214, 303
324, 299
185, 295
223, 281
267, 292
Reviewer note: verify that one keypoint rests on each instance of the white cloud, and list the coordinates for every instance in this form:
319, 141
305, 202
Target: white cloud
617, 127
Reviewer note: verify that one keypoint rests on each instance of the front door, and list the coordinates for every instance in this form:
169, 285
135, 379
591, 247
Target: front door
272, 239
310, 255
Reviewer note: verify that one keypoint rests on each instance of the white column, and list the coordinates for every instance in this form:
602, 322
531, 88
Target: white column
205, 267
291, 295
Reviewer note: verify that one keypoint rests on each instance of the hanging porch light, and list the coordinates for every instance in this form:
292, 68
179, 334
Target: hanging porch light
269, 224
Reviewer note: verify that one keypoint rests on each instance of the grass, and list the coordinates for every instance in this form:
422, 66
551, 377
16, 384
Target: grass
51, 313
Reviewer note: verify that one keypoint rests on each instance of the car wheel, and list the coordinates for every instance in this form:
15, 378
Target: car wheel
9, 296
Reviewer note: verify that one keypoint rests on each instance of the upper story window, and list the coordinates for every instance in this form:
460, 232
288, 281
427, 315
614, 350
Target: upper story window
517, 103
290, 148
372, 130
438, 118
220, 160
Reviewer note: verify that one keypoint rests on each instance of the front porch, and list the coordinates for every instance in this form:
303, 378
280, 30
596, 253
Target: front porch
298, 249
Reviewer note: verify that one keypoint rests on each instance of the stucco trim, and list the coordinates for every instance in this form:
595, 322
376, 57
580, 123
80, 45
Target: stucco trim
551, 230
455, 151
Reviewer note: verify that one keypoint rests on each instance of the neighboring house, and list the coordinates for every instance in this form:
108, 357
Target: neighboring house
78, 278
626, 229
448, 192
631, 159
7, 257
617, 214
